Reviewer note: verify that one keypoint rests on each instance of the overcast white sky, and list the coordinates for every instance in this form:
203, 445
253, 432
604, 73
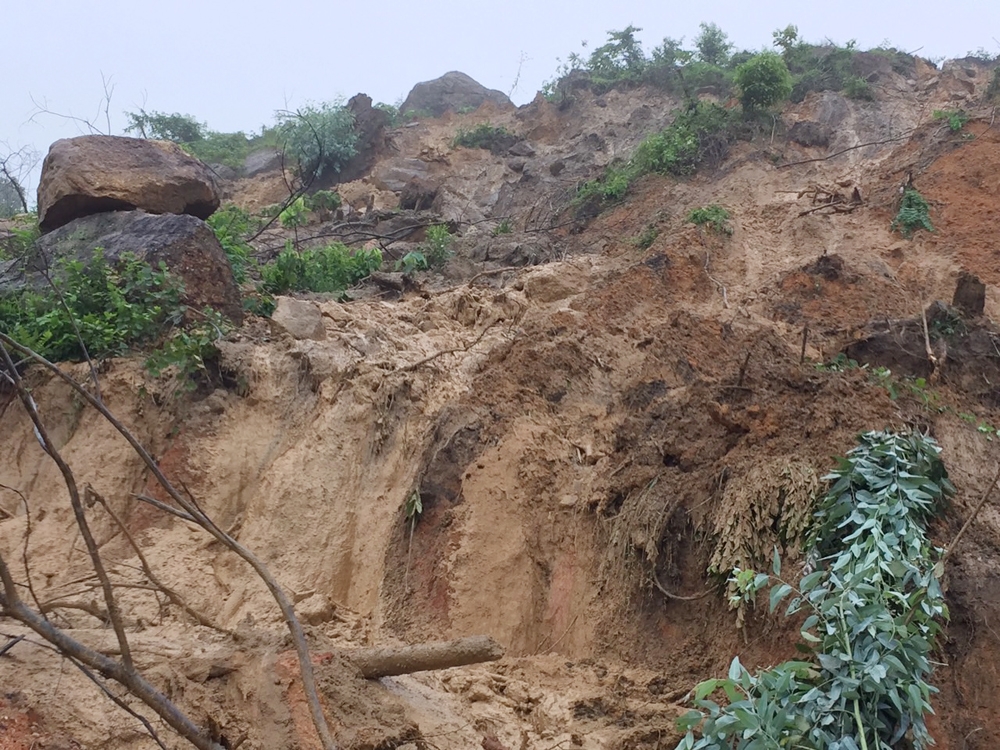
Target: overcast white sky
232, 64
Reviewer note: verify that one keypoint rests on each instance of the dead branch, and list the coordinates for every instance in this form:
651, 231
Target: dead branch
968, 522
284, 603
74, 497
431, 358
904, 136
389, 661
172, 595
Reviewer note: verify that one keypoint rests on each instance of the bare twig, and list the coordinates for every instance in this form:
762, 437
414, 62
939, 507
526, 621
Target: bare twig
678, 597
431, 358
284, 604
850, 148
74, 497
157, 583
986, 496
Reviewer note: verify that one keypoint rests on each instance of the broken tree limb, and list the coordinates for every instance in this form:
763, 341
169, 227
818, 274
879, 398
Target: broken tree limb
389, 661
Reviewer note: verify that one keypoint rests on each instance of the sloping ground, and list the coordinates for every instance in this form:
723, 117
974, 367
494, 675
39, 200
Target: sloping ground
586, 436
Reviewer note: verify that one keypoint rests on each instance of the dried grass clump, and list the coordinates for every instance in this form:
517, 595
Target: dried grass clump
771, 506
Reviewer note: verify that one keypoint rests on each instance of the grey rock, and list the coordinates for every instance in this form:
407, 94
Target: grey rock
185, 244
266, 160
453, 92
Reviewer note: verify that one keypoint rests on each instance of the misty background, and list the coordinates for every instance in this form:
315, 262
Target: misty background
232, 64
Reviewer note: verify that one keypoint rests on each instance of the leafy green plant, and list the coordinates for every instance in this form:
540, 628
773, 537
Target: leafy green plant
993, 90
232, 225
436, 247
115, 308
20, 238
712, 44
189, 349
332, 268
320, 138
504, 227
914, 214
295, 214
715, 217
492, 138
956, 118
763, 81
324, 202
874, 605
412, 262
645, 239
856, 87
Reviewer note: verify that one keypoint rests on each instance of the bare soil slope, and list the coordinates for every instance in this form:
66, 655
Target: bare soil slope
584, 434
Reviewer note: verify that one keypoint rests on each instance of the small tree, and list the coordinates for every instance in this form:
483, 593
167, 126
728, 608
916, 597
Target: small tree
319, 137
713, 44
763, 81
786, 38
620, 57
161, 126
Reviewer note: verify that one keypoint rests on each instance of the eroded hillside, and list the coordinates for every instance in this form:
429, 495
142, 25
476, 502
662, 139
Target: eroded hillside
589, 410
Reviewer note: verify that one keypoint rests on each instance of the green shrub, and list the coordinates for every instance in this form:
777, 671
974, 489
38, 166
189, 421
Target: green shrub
232, 225
695, 134
874, 607
504, 227
714, 216
332, 268
620, 59
324, 201
295, 214
485, 136
114, 309
436, 247
956, 118
319, 138
856, 87
412, 262
22, 233
712, 44
763, 81
210, 146
645, 239
914, 214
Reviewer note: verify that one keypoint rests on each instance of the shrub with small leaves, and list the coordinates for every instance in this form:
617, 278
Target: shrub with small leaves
332, 268
232, 225
436, 247
320, 138
956, 118
485, 136
763, 81
714, 217
914, 214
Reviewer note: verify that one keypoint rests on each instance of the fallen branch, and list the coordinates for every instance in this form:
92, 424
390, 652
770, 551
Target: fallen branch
431, 358
395, 660
968, 522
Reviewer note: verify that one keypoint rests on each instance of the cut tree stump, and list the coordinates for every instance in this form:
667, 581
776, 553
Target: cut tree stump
388, 661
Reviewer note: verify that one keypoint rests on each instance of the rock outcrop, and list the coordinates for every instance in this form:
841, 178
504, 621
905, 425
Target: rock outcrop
184, 243
98, 173
453, 92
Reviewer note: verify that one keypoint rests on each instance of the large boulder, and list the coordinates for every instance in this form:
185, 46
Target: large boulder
98, 173
369, 125
451, 92
186, 245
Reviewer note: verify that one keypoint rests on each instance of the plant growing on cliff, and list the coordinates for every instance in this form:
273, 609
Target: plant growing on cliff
320, 138
874, 605
914, 214
763, 81
436, 247
714, 217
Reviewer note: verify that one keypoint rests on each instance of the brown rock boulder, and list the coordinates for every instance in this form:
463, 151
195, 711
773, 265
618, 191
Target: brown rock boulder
186, 245
97, 173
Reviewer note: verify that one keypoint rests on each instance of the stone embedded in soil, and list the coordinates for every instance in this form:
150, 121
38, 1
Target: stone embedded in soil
970, 295
300, 319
